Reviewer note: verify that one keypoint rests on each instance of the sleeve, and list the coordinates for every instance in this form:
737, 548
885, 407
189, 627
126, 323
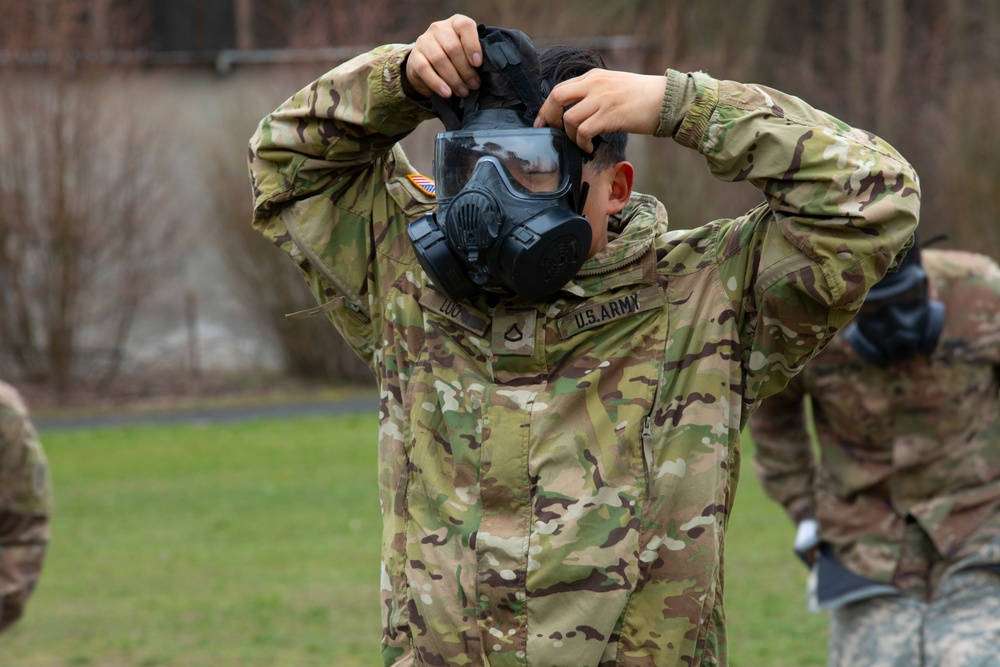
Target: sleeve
840, 206
326, 171
25, 507
783, 452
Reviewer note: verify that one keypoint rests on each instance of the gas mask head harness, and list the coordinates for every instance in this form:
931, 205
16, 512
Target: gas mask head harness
898, 320
510, 200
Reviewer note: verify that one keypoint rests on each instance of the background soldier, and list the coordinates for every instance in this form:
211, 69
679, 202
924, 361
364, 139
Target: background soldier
563, 379
901, 513
25, 505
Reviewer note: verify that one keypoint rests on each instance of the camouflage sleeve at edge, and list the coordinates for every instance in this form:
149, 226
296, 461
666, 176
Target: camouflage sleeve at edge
319, 166
332, 130
841, 205
783, 456
25, 506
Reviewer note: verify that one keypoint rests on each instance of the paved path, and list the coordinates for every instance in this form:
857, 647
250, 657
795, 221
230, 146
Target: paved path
212, 415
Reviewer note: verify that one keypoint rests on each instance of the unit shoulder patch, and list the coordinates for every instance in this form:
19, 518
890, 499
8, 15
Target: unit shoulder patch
425, 184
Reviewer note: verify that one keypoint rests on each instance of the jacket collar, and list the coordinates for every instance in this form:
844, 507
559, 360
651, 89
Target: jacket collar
627, 258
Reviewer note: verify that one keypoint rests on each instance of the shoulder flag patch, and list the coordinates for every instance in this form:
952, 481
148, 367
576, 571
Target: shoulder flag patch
425, 184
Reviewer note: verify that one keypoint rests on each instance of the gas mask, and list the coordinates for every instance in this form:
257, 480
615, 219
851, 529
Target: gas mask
898, 320
509, 195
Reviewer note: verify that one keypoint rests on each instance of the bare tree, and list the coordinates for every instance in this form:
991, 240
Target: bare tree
85, 232
966, 167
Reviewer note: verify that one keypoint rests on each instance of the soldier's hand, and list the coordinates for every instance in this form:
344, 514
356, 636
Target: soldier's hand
444, 58
604, 101
807, 541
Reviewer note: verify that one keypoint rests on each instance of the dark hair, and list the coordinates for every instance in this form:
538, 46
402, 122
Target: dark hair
561, 63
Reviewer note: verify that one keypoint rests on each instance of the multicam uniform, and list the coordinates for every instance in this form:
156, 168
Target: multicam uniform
556, 478
25, 505
907, 490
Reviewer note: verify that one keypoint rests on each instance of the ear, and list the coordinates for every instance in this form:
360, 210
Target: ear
621, 186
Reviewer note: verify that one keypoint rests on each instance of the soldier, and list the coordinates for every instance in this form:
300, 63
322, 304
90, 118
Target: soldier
563, 379
25, 506
901, 513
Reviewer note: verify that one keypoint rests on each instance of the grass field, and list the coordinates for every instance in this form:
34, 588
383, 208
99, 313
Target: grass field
256, 544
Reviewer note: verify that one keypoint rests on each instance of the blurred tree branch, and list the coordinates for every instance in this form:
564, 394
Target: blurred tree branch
85, 230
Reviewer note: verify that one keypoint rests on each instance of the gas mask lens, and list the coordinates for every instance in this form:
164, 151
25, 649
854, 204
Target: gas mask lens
531, 159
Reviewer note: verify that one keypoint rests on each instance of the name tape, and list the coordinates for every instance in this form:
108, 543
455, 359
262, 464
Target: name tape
597, 314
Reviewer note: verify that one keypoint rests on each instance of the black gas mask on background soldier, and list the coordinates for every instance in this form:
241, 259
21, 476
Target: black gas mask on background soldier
898, 320
509, 195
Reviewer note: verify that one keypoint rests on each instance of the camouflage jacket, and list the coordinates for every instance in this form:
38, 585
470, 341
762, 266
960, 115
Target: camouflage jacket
556, 478
915, 441
25, 505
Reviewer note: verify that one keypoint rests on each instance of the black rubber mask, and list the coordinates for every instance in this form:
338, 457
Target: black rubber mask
509, 195
898, 320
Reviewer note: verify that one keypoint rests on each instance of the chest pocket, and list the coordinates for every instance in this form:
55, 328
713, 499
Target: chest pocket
605, 359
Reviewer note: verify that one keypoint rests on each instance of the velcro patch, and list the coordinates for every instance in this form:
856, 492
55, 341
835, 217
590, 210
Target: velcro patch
602, 312
425, 184
514, 332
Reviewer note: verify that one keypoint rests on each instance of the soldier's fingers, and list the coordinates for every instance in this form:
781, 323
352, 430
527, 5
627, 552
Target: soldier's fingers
422, 76
572, 107
416, 66
562, 97
447, 52
550, 115
582, 123
468, 35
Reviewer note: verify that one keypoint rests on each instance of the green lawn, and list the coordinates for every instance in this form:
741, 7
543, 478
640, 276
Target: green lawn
769, 625
256, 544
